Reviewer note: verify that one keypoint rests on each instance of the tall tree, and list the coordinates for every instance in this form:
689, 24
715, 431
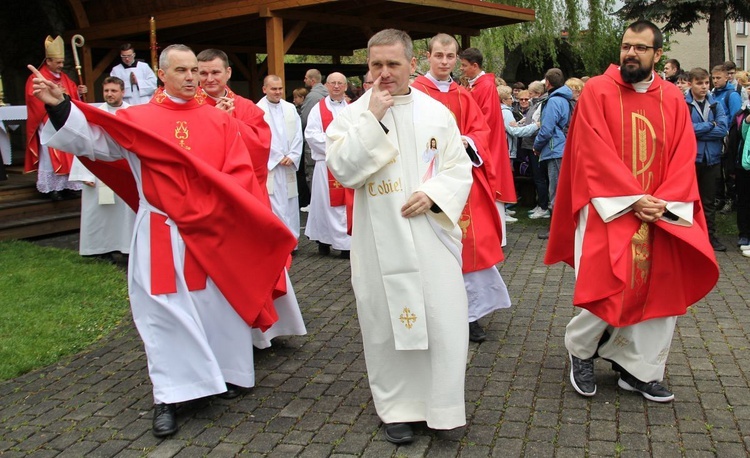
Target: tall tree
682, 15
589, 28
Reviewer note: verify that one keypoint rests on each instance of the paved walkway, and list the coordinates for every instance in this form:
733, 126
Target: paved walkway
312, 398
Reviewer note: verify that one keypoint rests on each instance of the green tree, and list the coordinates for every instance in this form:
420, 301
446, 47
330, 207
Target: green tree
681, 15
588, 31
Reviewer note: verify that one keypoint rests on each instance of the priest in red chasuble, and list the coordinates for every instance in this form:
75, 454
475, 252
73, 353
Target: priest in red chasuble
197, 281
628, 218
480, 220
482, 88
215, 72
52, 165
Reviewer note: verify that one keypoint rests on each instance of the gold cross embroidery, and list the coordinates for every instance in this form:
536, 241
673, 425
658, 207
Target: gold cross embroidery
407, 318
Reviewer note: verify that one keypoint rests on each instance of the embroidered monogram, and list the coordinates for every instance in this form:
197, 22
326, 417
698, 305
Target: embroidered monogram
181, 133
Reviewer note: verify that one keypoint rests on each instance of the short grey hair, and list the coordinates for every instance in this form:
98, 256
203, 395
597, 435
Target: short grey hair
164, 56
390, 37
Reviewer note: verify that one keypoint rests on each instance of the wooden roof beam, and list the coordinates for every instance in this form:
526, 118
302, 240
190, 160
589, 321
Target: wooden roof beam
336, 19
144, 45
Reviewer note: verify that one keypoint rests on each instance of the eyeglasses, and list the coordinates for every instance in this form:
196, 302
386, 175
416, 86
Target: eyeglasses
127, 56
523, 100
639, 49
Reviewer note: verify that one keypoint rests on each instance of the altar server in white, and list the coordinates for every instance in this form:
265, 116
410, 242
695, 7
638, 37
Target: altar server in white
286, 150
406, 244
106, 220
139, 78
326, 223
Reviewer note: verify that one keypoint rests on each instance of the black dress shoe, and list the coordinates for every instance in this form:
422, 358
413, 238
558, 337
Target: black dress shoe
232, 392
399, 433
344, 254
165, 423
476, 333
55, 196
324, 249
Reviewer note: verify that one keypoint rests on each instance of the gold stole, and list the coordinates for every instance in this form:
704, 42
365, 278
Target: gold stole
642, 145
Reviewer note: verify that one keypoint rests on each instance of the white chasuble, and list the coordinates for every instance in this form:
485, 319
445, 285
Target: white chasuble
398, 262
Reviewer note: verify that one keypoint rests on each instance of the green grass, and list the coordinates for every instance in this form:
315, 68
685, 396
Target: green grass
53, 303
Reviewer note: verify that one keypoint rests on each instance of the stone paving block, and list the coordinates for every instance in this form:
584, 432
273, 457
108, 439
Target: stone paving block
167, 449
79, 449
263, 442
319, 451
108, 449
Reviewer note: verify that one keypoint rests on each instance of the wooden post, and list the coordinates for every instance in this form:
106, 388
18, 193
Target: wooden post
275, 45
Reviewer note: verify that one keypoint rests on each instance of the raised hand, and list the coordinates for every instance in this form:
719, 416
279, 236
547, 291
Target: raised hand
380, 100
44, 89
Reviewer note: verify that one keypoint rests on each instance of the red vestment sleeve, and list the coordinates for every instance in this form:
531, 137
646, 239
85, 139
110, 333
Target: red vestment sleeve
230, 232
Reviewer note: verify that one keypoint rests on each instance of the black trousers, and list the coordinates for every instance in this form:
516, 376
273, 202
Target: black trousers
742, 186
707, 175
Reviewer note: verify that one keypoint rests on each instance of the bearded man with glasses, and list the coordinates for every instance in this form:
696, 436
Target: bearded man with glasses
628, 219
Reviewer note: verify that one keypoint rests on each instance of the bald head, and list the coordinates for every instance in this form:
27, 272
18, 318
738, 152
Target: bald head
273, 88
336, 85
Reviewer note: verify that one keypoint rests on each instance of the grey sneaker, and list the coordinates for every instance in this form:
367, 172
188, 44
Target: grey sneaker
582, 375
653, 391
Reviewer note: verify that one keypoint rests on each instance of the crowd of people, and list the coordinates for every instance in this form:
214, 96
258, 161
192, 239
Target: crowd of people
410, 178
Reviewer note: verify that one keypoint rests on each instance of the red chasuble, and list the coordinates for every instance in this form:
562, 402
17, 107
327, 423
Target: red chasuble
206, 184
36, 115
622, 143
480, 219
256, 133
501, 178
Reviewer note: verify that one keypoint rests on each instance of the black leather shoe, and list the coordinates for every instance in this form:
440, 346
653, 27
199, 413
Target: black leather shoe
476, 333
165, 423
232, 392
717, 245
399, 433
344, 254
55, 196
582, 376
324, 249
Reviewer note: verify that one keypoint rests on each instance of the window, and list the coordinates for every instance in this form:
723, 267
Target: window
740, 57
741, 27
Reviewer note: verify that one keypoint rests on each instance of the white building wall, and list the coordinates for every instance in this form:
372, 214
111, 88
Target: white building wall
692, 50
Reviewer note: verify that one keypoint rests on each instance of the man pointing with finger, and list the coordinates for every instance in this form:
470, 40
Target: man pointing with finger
402, 153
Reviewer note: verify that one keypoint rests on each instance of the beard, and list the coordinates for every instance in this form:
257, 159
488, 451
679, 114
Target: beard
634, 75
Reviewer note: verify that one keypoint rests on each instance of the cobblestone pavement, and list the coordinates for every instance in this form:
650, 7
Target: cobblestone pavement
312, 397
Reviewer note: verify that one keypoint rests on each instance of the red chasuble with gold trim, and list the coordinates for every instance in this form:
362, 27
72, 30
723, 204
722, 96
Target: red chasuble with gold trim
622, 143
256, 133
480, 219
206, 184
36, 115
484, 93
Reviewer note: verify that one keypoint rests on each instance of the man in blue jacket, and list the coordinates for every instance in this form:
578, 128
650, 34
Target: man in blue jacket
711, 125
555, 118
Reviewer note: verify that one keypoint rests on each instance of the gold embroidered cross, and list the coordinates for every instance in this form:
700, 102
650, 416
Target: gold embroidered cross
407, 318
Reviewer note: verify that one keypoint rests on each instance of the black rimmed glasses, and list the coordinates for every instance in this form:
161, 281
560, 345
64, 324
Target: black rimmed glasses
639, 49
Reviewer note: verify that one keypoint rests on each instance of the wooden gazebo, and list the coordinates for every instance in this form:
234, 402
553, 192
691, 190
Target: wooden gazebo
246, 28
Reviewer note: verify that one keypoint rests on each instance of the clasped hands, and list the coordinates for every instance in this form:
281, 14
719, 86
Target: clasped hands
649, 209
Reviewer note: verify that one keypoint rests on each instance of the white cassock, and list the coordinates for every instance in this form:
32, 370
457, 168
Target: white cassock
145, 77
286, 141
325, 224
194, 340
406, 273
642, 348
106, 220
